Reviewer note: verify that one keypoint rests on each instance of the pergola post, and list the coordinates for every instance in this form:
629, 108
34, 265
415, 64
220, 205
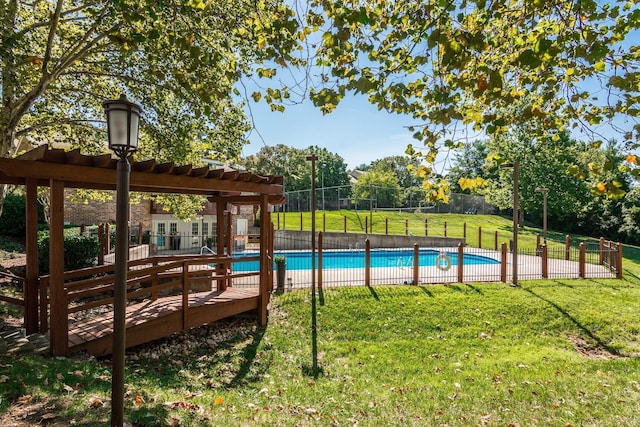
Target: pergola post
57, 299
30, 291
220, 228
266, 265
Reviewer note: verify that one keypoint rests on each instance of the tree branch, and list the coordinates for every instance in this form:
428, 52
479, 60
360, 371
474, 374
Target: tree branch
52, 33
43, 125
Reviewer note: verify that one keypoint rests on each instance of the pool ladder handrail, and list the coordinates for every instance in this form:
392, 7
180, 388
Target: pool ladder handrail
208, 249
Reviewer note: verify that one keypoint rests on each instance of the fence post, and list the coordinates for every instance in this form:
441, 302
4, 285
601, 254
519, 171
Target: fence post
344, 220
406, 227
460, 262
581, 260
495, 240
154, 279
545, 262
101, 244
619, 262
324, 221
426, 227
185, 295
139, 233
464, 230
538, 244
278, 215
367, 262
601, 245
300, 221
386, 226
366, 225
503, 264
416, 264
107, 244
320, 260
567, 246
480, 237
445, 229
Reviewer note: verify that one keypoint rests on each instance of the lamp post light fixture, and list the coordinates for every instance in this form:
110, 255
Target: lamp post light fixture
123, 120
514, 165
544, 211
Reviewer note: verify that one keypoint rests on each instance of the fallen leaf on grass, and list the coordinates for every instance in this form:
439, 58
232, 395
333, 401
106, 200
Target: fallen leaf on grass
95, 402
218, 401
25, 400
138, 400
3, 378
48, 416
183, 405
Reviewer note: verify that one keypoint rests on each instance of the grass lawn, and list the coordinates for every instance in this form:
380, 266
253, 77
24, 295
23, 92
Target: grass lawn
549, 353
438, 225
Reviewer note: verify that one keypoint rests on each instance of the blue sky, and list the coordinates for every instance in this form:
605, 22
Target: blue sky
355, 130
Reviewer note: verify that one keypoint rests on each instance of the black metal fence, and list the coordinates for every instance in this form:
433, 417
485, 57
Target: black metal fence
338, 264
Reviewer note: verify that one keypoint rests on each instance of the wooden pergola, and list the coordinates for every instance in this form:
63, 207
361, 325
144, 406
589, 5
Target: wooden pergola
58, 169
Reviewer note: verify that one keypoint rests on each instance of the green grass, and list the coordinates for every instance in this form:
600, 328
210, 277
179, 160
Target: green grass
549, 353
437, 225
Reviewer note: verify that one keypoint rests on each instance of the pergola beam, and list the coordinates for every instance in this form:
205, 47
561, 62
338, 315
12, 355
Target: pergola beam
77, 176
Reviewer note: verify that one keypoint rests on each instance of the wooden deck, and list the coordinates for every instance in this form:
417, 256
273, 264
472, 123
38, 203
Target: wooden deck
151, 320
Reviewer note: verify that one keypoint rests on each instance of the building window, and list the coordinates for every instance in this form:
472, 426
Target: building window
161, 228
173, 228
194, 228
205, 228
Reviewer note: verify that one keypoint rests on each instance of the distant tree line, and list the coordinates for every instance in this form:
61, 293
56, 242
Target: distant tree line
568, 169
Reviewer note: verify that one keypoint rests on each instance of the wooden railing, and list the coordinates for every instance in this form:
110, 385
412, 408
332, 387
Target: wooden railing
92, 288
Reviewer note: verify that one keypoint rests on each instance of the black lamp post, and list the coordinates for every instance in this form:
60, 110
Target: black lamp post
313, 158
514, 257
123, 119
323, 166
544, 211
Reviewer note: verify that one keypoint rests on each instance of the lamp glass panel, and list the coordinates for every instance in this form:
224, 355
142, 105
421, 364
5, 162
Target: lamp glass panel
117, 126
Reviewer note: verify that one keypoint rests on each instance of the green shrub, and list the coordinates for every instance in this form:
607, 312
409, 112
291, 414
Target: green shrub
79, 251
13, 219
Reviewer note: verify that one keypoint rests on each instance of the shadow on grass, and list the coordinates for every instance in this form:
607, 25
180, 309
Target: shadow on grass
373, 293
248, 357
475, 289
601, 344
426, 291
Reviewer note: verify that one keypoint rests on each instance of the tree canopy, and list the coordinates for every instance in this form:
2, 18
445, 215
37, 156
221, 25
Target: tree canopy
459, 66
290, 162
179, 59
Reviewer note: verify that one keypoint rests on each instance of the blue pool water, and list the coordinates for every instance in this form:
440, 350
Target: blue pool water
355, 259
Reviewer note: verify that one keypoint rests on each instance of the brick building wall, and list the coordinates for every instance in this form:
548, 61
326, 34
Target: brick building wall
95, 212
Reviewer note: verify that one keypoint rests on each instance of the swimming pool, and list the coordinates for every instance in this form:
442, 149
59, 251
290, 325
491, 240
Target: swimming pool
383, 258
